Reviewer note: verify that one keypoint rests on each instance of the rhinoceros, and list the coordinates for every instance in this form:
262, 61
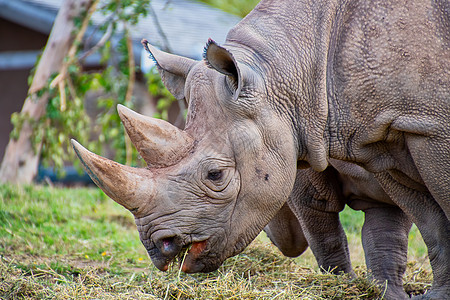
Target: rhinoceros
351, 98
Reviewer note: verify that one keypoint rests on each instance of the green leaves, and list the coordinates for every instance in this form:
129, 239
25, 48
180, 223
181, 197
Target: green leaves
157, 89
82, 103
127, 10
237, 7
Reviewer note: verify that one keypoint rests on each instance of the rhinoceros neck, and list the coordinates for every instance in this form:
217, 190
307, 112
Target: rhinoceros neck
288, 42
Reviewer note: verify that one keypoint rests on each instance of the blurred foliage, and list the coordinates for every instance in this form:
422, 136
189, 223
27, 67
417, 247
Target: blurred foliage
157, 89
66, 116
237, 7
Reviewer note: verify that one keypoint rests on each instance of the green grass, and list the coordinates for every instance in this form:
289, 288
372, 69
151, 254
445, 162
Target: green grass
237, 7
81, 223
79, 244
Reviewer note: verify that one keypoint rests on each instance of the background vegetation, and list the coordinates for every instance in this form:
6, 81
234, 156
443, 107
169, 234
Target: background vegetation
79, 244
237, 7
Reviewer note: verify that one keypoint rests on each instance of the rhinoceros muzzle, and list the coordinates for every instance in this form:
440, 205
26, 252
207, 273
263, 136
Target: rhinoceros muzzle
193, 257
165, 251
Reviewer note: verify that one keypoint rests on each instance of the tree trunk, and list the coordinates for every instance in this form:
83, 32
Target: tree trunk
21, 158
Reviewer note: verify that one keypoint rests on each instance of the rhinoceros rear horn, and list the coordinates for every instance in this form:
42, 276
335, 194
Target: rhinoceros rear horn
132, 188
160, 143
172, 68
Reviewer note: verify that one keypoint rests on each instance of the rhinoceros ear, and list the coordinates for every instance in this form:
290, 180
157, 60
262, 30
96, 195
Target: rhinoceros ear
223, 61
172, 68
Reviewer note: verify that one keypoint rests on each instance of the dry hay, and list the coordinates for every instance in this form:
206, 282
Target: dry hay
260, 272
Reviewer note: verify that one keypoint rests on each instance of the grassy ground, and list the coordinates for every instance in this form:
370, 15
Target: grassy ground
78, 244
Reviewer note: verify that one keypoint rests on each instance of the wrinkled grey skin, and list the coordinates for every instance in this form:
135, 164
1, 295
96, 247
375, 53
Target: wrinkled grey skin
357, 93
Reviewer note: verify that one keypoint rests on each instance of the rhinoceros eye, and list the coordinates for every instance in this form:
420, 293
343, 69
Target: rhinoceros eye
215, 175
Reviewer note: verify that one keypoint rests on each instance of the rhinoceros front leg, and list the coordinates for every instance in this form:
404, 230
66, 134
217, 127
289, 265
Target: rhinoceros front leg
329, 247
385, 242
285, 232
326, 238
316, 201
434, 226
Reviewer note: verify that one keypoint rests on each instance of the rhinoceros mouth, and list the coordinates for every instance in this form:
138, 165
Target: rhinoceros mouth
189, 263
192, 258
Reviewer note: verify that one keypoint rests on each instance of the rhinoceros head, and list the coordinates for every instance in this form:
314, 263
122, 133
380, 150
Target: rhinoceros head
213, 186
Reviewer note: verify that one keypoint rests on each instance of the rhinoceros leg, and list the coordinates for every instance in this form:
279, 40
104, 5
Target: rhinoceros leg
385, 242
316, 202
326, 238
285, 232
434, 226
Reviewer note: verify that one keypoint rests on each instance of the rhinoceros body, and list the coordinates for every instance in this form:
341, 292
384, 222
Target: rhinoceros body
324, 103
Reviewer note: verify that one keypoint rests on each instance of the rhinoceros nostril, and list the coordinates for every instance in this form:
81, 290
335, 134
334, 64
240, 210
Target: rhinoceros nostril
167, 245
170, 246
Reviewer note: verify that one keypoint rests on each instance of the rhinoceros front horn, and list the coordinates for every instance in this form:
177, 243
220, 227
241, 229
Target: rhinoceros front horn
132, 188
160, 143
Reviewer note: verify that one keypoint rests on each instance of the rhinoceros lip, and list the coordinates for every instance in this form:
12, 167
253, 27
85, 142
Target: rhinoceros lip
195, 250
